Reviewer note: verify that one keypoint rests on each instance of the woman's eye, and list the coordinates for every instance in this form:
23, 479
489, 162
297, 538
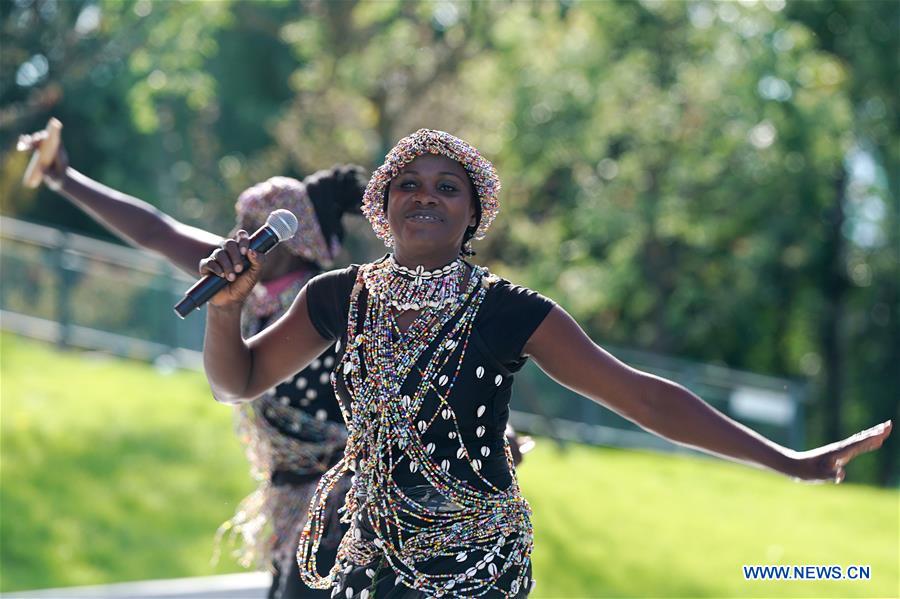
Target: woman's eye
407, 184
448, 187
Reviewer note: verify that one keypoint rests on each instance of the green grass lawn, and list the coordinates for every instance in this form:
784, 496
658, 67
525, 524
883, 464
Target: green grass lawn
112, 471
615, 523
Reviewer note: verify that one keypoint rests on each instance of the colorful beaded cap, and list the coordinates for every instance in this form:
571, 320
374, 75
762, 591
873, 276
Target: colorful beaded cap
257, 202
428, 141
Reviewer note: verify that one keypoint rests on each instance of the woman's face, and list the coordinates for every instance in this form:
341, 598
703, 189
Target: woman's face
430, 204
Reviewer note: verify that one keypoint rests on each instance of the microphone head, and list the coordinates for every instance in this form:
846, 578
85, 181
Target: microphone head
283, 223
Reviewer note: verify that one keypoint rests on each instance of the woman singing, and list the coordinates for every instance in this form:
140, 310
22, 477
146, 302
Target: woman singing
428, 345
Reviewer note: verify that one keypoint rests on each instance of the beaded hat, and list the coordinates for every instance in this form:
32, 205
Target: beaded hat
257, 202
428, 141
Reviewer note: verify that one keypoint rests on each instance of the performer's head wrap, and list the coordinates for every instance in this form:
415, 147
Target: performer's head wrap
319, 202
481, 173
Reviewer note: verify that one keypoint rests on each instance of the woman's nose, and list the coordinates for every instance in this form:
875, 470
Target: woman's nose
423, 197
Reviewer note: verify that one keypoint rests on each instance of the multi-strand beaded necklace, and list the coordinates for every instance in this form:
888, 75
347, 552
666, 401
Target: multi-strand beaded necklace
388, 430
415, 289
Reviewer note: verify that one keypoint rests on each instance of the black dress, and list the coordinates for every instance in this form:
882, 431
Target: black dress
470, 446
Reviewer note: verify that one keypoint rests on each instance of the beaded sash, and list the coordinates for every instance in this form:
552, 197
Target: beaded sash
387, 430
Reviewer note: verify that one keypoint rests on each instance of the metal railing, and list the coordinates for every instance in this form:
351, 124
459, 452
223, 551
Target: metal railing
82, 292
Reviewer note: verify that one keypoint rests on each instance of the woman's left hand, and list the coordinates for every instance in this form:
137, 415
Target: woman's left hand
54, 173
827, 463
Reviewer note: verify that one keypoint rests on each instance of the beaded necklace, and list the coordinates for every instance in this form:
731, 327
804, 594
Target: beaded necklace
415, 289
388, 430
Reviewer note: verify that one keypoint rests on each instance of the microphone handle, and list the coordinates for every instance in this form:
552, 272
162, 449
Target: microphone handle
204, 289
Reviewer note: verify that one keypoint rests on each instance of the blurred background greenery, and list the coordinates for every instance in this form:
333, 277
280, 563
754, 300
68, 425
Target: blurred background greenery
716, 181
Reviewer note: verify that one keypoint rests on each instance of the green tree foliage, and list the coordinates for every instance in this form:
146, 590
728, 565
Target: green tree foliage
863, 37
715, 180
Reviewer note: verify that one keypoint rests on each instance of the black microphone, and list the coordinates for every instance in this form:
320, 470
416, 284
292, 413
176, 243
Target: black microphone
281, 225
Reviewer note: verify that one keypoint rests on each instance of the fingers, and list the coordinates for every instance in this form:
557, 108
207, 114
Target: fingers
880, 430
862, 442
220, 263
253, 257
233, 260
211, 265
228, 261
29, 142
867, 440
53, 167
243, 241
836, 470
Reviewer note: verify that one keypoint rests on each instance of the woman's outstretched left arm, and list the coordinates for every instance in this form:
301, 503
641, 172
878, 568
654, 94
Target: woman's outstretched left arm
563, 350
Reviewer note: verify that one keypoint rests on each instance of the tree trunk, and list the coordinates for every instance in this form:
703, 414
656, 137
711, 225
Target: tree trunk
834, 290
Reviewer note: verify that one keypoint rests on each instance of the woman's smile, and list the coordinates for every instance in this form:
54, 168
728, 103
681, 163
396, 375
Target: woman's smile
424, 215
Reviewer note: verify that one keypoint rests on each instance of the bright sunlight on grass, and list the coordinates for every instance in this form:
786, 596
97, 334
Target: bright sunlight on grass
112, 471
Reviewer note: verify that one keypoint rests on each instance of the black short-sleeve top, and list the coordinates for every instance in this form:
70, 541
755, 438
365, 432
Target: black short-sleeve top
506, 319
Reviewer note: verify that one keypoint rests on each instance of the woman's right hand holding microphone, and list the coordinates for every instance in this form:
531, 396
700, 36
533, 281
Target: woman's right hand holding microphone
228, 262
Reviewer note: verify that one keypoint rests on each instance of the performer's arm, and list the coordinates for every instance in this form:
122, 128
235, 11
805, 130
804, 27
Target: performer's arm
562, 349
238, 369
131, 218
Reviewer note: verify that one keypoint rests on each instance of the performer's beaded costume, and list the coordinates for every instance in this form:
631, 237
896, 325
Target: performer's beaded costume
434, 508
